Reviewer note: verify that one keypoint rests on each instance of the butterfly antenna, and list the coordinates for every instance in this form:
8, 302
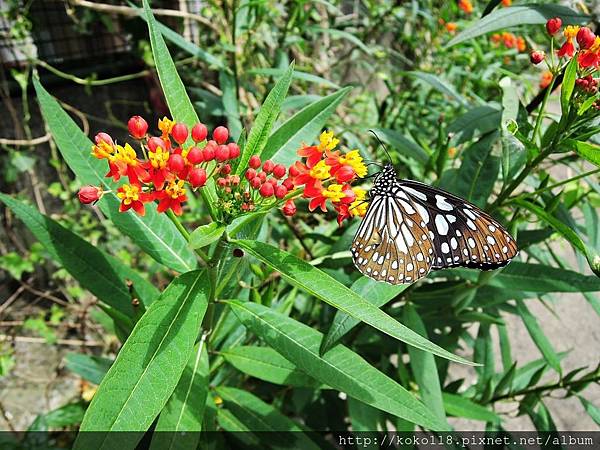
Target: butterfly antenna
383, 145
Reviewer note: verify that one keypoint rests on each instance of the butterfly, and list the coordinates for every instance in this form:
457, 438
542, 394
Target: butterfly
411, 228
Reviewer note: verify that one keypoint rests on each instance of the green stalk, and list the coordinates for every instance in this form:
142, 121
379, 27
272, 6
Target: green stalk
538, 122
186, 235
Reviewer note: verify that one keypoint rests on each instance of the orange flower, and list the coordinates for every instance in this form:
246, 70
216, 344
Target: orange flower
591, 56
466, 6
521, 44
132, 197
509, 40
496, 38
568, 48
506, 2
451, 27
546, 79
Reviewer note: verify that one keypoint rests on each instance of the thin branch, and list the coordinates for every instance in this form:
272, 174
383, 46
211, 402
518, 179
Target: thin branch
39, 340
26, 142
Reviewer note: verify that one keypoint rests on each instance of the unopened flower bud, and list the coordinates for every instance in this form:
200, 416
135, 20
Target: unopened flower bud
222, 153
179, 133
234, 150
280, 191
585, 37
250, 173
262, 176
155, 142
254, 162
103, 137
279, 171
221, 134
197, 177
90, 194
344, 173
537, 56
199, 132
222, 182
289, 209
256, 182
176, 162
293, 171
235, 180
553, 25
267, 190
288, 183
268, 166
137, 127
226, 169
195, 155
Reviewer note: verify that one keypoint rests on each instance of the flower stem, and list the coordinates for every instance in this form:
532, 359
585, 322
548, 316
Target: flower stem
186, 235
538, 122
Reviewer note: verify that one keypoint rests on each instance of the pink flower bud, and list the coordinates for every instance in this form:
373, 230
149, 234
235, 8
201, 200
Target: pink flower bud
255, 182
537, 57
195, 155
199, 132
197, 177
250, 173
279, 171
288, 183
179, 133
221, 134
155, 142
267, 190
553, 25
254, 162
226, 169
103, 137
234, 150
280, 191
289, 209
268, 166
90, 194
137, 127
222, 153
176, 162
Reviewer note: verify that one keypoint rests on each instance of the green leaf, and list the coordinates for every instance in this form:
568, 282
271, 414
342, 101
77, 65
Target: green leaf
423, 366
154, 232
180, 422
363, 417
539, 338
340, 368
259, 134
103, 275
259, 416
266, 364
206, 234
592, 410
403, 145
525, 277
303, 126
591, 254
340, 34
88, 367
461, 406
438, 84
587, 150
177, 98
64, 416
518, 15
568, 85
481, 118
148, 367
374, 292
230, 103
324, 287
478, 172
297, 75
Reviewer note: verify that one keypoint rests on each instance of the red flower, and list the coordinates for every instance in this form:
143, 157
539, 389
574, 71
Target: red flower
289, 209
132, 197
585, 37
553, 25
537, 57
137, 127
172, 197
90, 194
312, 154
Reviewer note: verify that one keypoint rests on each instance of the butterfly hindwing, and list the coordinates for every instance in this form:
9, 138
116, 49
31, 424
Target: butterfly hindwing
462, 234
391, 244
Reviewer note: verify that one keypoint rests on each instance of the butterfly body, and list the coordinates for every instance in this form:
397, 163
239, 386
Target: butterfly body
411, 228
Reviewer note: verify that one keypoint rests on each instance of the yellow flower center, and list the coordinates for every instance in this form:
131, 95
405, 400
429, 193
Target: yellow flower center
103, 150
354, 160
159, 158
596, 45
127, 155
165, 125
175, 189
327, 141
129, 193
320, 171
333, 192
571, 31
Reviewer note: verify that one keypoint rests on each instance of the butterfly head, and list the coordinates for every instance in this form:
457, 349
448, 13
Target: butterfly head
384, 181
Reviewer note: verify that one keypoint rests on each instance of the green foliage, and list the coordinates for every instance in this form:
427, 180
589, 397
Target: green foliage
277, 331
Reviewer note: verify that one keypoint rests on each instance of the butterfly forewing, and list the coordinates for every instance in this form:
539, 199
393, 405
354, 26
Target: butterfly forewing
411, 228
462, 234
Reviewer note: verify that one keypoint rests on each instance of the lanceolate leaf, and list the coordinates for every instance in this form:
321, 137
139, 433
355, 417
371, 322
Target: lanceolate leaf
460, 406
206, 234
324, 287
103, 275
538, 336
266, 364
481, 118
303, 126
518, 15
423, 367
179, 103
148, 367
154, 232
340, 368
439, 85
525, 277
567, 232
180, 421
568, 85
587, 150
374, 292
90, 368
259, 416
259, 134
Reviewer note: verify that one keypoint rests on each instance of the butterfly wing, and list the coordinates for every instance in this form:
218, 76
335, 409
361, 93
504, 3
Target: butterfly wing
461, 233
392, 243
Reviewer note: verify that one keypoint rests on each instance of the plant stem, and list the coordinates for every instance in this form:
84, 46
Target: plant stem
538, 122
186, 235
560, 183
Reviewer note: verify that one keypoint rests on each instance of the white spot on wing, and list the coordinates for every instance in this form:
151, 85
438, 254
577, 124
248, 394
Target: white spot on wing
441, 224
442, 204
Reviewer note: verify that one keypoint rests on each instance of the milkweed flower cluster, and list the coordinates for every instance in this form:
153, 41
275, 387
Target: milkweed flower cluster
168, 166
509, 40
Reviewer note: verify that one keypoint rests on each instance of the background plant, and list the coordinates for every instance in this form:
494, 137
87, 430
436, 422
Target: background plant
460, 113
